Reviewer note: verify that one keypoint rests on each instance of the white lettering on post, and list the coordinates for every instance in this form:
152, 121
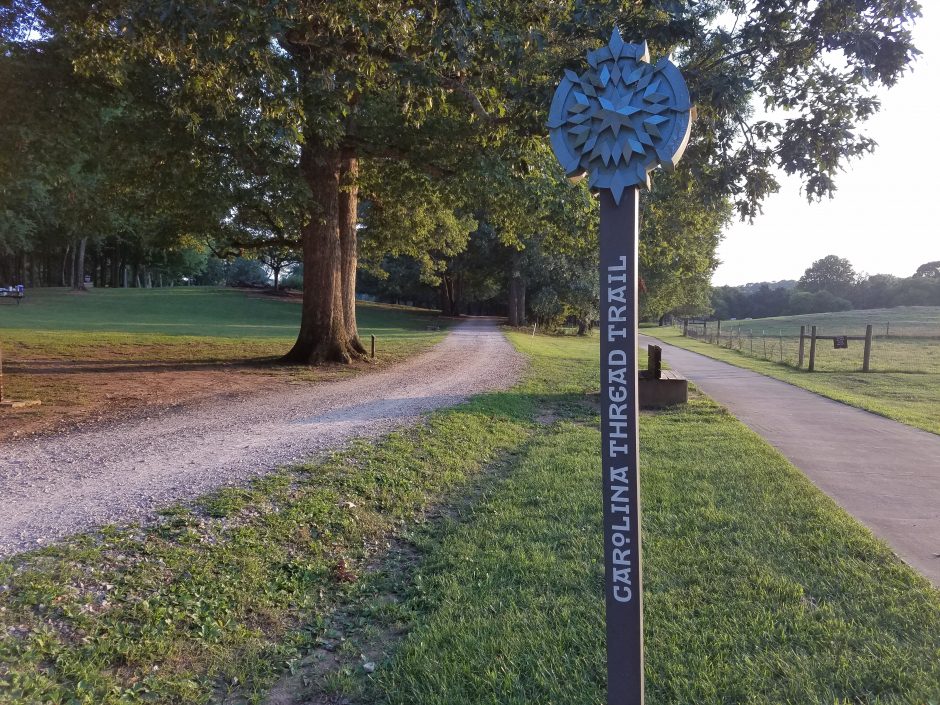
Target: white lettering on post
619, 432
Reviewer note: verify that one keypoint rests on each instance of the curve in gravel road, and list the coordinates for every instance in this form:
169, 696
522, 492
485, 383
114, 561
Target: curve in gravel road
59, 485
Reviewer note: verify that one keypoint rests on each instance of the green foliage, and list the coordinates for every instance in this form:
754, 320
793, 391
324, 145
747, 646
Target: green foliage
245, 272
548, 307
445, 107
409, 213
400, 281
732, 302
679, 235
815, 294
816, 302
831, 273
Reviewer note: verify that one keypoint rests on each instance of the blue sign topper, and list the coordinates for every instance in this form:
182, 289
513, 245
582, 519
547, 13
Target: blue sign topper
621, 118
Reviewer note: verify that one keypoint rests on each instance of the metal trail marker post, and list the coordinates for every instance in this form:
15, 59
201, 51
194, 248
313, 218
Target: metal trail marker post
615, 122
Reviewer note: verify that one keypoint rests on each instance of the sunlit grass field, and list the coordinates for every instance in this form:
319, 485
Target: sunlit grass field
902, 321
905, 339
193, 321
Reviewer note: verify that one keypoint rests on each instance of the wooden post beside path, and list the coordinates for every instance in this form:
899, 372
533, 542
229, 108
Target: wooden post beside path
812, 349
866, 362
799, 362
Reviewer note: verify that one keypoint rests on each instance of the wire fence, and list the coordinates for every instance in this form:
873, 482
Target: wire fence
895, 346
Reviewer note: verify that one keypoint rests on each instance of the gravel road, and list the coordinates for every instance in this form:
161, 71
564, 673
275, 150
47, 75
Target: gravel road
124, 471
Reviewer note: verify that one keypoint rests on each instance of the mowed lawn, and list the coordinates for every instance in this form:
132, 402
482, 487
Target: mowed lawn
908, 397
901, 321
906, 338
460, 562
88, 355
213, 318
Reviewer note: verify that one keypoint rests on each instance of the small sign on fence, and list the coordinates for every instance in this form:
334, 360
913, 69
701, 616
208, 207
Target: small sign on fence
840, 342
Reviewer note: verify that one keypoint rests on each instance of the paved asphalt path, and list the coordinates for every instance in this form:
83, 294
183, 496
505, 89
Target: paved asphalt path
124, 471
884, 473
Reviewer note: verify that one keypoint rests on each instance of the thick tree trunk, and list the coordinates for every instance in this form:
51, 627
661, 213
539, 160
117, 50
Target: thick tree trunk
449, 295
520, 301
65, 265
513, 300
323, 334
348, 223
516, 291
277, 275
78, 277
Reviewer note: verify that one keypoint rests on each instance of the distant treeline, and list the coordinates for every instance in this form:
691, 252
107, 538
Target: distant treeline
830, 284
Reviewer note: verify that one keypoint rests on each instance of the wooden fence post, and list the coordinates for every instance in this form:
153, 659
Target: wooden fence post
799, 362
812, 349
373, 346
866, 362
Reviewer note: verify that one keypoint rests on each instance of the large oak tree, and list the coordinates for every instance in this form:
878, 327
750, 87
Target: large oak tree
308, 90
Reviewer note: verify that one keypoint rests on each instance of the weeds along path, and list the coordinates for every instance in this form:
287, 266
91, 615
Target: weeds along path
124, 471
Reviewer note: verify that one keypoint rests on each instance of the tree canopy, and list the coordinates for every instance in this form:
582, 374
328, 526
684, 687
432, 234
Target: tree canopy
831, 273
928, 269
303, 123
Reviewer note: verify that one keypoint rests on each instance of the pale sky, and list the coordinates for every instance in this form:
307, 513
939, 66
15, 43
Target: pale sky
884, 216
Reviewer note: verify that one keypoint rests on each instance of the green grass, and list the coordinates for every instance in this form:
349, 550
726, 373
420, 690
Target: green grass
212, 598
189, 311
910, 398
478, 536
906, 339
187, 323
759, 589
902, 321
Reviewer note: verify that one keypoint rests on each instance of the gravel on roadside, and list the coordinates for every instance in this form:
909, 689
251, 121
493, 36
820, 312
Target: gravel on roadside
125, 471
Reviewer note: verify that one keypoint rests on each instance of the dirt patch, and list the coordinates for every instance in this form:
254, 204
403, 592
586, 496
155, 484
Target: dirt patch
82, 393
348, 644
547, 418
